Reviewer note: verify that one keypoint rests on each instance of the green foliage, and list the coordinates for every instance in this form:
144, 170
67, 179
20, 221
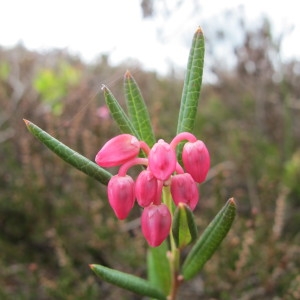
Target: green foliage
209, 241
158, 267
70, 156
118, 114
53, 85
128, 282
192, 84
4, 70
184, 228
137, 110
291, 174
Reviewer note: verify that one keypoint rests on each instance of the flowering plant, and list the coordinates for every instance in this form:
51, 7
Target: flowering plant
166, 188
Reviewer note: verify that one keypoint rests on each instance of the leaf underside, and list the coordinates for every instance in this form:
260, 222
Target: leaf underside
209, 241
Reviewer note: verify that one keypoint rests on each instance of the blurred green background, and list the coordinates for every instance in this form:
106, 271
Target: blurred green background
55, 221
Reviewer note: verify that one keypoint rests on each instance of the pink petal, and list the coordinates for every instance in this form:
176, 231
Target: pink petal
184, 189
196, 160
118, 150
145, 188
121, 195
162, 160
156, 223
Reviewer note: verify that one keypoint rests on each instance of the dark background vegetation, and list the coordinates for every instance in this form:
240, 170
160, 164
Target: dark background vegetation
55, 221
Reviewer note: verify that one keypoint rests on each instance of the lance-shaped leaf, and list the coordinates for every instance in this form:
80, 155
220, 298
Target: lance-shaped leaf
70, 156
158, 267
192, 84
209, 240
137, 110
184, 228
118, 113
127, 281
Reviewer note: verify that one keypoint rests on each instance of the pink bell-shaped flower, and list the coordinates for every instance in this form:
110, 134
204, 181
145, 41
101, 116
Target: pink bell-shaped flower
145, 188
156, 223
184, 189
196, 160
118, 150
162, 160
121, 195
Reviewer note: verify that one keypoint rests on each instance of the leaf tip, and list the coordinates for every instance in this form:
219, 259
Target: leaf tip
181, 205
27, 123
232, 201
127, 74
92, 266
199, 30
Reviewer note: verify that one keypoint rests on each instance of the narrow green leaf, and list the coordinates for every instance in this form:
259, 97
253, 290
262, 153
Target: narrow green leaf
209, 241
70, 156
192, 84
158, 267
118, 113
183, 226
128, 282
137, 110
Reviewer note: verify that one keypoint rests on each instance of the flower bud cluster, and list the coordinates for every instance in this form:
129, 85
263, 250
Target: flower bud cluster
162, 169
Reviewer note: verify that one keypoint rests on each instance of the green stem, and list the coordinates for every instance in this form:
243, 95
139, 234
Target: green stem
174, 254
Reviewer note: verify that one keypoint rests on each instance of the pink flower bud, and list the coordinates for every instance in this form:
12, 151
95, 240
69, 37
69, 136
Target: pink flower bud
162, 160
118, 150
156, 223
121, 195
196, 160
184, 189
145, 188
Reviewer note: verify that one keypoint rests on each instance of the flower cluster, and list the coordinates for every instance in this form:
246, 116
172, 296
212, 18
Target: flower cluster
162, 169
